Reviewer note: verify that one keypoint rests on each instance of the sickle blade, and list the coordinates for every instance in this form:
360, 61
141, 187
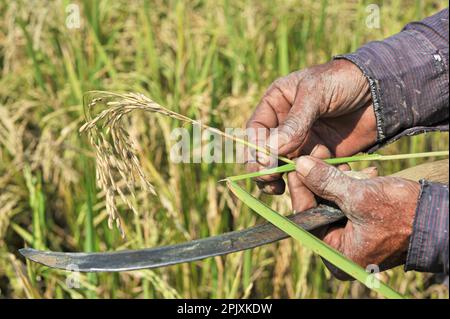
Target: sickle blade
227, 243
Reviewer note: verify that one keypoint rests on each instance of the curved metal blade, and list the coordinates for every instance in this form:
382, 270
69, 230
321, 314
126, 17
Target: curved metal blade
184, 252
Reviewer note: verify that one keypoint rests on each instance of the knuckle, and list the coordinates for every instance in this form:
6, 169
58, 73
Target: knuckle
277, 83
311, 78
315, 80
249, 122
253, 122
329, 181
290, 126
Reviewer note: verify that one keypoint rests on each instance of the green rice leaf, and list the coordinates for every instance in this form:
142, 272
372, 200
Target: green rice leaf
340, 160
312, 242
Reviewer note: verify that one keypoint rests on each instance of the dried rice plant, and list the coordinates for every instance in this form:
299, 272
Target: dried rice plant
117, 166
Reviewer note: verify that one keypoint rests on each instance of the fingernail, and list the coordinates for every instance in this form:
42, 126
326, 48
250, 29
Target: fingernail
268, 189
314, 149
372, 169
265, 187
304, 165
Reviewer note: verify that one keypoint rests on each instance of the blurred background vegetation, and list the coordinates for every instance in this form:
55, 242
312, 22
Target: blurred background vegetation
208, 59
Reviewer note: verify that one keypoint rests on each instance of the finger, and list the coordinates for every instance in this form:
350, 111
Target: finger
256, 167
257, 161
276, 102
324, 180
257, 135
272, 109
293, 131
309, 147
344, 167
276, 187
264, 117
301, 197
370, 171
321, 151
271, 184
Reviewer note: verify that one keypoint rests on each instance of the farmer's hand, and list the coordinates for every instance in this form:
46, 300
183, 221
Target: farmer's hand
325, 111
380, 213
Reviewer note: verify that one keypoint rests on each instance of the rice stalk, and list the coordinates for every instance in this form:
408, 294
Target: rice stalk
115, 152
340, 160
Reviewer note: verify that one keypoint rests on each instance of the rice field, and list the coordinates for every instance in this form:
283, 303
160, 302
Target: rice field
209, 60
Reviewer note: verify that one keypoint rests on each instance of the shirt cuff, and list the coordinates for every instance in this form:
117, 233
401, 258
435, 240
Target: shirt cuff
428, 246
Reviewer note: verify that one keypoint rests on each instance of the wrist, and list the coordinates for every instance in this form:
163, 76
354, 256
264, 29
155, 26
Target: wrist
351, 85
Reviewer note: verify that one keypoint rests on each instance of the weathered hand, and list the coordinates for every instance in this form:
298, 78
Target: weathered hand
380, 213
325, 111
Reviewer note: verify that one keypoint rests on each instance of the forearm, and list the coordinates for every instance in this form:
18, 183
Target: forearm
428, 248
408, 76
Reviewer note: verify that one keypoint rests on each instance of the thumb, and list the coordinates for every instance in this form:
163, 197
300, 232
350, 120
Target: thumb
324, 180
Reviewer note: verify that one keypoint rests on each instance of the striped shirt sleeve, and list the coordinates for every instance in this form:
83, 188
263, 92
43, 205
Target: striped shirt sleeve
408, 76
428, 247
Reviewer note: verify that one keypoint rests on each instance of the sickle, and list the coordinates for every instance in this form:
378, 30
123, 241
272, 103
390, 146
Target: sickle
223, 244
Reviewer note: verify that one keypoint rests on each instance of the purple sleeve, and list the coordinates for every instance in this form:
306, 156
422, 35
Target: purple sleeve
428, 246
408, 76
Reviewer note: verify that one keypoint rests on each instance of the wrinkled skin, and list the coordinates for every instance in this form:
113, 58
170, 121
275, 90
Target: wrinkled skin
327, 111
380, 213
